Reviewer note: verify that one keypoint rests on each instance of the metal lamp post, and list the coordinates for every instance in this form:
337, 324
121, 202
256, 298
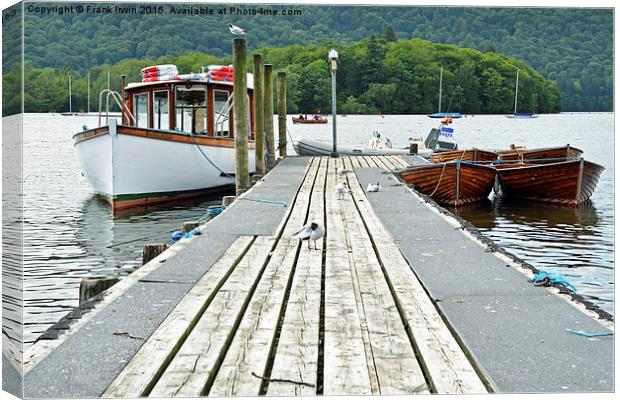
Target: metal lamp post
333, 66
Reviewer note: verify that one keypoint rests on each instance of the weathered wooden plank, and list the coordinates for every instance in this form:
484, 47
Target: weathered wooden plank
397, 369
395, 162
195, 363
296, 357
371, 162
249, 351
449, 369
355, 162
362, 161
346, 368
384, 162
399, 160
136, 379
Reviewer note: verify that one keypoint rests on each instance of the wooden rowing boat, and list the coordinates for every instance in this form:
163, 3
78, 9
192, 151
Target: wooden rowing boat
453, 183
297, 120
549, 154
474, 154
568, 183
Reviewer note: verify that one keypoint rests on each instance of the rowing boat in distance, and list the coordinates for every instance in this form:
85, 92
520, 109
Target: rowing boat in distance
549, 154
452, 183
568, 183
475, 155
297, 120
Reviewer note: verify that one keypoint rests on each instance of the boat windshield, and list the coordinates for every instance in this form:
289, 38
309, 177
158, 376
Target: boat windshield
191, 109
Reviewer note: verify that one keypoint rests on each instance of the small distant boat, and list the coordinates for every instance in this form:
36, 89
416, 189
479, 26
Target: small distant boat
567, 183
549, 154
475, 155
445, 115
523, 115
516, 114
297, 120
453, 183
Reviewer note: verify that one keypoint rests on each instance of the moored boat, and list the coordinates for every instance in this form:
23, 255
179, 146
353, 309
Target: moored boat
175, 141
452, 183
475, 155
313, 147
543, 155
297, 120
568, 183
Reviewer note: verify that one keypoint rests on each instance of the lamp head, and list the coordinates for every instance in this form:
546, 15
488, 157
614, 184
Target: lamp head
333, 55
333, 59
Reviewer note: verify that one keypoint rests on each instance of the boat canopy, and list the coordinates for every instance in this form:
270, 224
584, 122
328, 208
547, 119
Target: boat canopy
191, 104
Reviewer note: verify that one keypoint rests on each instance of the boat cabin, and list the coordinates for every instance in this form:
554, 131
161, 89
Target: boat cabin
198, 107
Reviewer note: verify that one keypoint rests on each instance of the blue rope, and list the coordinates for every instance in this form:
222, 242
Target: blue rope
283, 203
582, 333
546, 277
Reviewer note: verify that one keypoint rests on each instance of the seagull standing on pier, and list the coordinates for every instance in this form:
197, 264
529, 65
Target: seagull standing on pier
237, 31
373, 188
342, 189
313, 231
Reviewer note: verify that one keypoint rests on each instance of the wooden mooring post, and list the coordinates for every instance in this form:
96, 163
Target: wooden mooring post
240, 105
259, 121
282, 113
92, 286
268, 114
150, 251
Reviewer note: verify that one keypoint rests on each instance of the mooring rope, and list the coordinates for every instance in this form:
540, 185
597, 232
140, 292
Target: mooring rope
440, 178
208, 159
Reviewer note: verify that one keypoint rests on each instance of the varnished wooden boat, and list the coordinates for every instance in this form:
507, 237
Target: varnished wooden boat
453, 183
474, 154
568, 183
297, 120
550, 154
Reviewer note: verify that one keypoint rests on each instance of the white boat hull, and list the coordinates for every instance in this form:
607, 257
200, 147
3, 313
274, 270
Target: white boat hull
137, 167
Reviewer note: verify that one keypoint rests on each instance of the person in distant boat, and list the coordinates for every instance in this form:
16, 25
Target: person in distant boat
301, 117
316, 117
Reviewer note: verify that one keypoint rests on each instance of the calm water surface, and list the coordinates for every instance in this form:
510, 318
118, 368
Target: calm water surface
69, 233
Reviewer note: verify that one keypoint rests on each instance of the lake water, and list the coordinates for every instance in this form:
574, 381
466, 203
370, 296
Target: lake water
69, 233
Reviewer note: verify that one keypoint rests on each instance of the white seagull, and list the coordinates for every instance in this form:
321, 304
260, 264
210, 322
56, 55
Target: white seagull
313, 231
342, 189
235, 30
373, 188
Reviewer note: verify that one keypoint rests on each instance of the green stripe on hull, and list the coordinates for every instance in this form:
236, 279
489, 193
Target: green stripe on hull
137, 196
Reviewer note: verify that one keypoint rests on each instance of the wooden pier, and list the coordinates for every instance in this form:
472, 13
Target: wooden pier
247, 309
275, 317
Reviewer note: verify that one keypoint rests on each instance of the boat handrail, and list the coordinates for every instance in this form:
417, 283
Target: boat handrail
119, 101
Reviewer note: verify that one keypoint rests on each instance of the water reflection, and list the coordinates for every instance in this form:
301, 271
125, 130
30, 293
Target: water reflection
569, 241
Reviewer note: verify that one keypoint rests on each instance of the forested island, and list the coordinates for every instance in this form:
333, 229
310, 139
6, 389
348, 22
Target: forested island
390, 56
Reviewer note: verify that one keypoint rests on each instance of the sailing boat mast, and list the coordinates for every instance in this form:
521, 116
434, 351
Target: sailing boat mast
69, 93
516, 91
88, 93
440, 86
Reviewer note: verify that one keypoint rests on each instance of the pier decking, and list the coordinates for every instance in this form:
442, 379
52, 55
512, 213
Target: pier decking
246, 309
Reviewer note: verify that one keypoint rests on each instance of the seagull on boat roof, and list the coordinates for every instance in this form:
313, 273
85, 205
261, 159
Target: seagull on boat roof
235, 30
312, 231
373, 188
342, 189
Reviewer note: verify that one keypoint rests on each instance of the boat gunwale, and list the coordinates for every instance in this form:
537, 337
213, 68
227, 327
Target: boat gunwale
159, 134
540, 166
